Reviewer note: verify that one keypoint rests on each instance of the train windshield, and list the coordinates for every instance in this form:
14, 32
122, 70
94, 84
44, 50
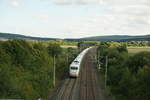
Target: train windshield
74, 68
76, 62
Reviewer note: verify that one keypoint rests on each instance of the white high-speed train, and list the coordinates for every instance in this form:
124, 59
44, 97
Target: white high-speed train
74, 68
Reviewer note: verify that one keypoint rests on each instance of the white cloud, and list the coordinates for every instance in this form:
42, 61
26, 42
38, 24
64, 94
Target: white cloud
111, 2
140, 13
125, 17
44, 19
110, 17
62, 2
14, 3
131, 9
106, 24
126, 1
75, 2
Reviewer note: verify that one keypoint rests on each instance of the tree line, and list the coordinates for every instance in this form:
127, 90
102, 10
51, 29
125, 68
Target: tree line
128, 76
26, 69
137, 43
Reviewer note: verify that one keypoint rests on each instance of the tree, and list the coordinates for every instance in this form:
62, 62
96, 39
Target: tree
54, 49
138, 61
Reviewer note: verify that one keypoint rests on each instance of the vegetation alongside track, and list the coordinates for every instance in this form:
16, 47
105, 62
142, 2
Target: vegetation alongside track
137, 44
128, 76
26, 69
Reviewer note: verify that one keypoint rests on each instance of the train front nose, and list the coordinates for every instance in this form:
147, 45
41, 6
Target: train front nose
74, 72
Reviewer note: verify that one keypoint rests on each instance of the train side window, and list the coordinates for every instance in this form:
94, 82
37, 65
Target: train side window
74, 68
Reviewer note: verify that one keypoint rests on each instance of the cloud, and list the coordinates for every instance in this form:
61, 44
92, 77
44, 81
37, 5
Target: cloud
139, 13
14, 3
111, 2
131, 9
44, 19
75, 2
110, 17
127, 1
62, 2
122, 21
128, 17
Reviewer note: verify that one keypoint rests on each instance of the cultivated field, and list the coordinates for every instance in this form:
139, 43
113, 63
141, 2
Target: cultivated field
138, 49
68, 46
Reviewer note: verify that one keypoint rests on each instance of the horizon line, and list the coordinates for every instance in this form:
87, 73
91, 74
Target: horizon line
68, 37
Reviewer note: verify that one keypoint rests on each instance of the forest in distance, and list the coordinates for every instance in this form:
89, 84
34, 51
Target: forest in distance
26, 68
119, 38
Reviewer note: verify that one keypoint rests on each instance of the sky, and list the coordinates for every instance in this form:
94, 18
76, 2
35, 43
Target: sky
75, 18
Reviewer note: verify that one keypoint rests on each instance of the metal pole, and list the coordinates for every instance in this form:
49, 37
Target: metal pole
99, 65
98, 57
67, 60
98, 61
106, 71
54, 72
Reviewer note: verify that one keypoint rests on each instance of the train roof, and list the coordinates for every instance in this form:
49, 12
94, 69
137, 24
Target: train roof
79, 58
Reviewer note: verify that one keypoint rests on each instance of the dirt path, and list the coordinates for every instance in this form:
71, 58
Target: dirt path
85, 87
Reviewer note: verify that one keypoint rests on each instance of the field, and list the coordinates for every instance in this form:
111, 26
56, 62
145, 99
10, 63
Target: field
138, 49
68, 46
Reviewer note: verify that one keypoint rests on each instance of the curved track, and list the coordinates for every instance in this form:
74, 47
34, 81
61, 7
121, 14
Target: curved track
85, 87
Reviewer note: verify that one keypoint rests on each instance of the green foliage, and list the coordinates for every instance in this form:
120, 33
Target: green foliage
26, 70
137, 43
128, 76
138, 61
54, 49
149, 43
63, 42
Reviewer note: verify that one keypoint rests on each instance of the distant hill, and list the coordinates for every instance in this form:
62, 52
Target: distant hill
73, 40
138, 38
17, 36
118, 38
122, 38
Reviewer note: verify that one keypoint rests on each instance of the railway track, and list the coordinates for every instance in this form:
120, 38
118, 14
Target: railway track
85, 87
